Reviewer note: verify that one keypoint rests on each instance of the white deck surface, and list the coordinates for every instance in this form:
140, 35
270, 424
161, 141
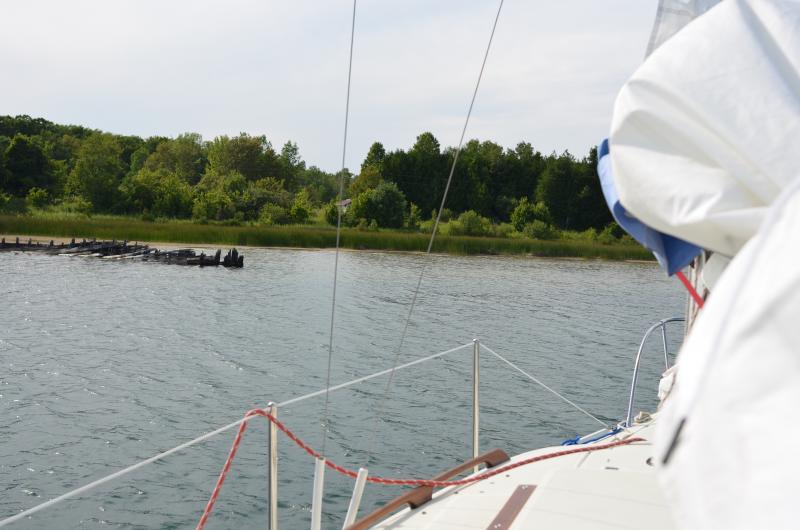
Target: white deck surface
610, 488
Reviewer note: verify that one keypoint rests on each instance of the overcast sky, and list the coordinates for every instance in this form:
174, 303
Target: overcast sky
279, 68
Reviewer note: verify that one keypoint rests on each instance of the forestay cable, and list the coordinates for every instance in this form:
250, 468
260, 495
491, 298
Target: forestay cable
378, 408
338, 230
535, 380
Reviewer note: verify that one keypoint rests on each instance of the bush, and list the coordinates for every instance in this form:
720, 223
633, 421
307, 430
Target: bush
526, 212
174, 198
386, 205
502, 230
270, 190
470, 223
540, 230
414, 217
37, 198
590, 234
273, 214
447, 214
215, 205
607, 237
9, 204
77, 205
161, 193
301, 208
332, 213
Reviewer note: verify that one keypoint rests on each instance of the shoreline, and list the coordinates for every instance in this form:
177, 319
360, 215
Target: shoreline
178, 233
209, 246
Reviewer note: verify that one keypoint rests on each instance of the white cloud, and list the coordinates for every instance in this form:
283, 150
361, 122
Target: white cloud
279, 68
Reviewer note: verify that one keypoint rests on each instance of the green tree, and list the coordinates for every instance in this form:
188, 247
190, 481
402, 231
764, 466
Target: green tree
557, 188
138, 158
291, 165
369, 178
98, 171
62, 150
161, 193
375, 157
332, 213
231, 183
591, 209
26, 166
386, 205
141, 189
251, 156
301, 208
477, 166
129, 145
184, 157
248, 198
37, 198
175, 198
270, 190
526, 212
213, 204
420, 173
272, 214
321, 185
5, 141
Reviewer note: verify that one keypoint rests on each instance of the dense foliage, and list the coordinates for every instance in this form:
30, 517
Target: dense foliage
244, 179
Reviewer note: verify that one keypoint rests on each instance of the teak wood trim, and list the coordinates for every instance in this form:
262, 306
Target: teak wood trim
422, 494
510, 510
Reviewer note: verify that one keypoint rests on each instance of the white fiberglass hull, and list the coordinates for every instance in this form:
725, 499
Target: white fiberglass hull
607, 488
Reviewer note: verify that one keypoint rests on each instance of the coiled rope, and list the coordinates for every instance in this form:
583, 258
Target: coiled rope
380, 480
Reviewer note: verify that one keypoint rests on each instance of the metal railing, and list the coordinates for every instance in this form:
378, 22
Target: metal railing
272, 523
358, 489
272, 443
661, 324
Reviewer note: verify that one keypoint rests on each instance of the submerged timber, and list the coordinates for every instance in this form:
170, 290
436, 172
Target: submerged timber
123, 250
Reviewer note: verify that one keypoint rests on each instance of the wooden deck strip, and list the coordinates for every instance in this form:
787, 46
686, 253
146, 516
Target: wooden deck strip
512, 507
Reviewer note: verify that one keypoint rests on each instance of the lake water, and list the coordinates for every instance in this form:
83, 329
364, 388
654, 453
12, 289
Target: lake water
103, 363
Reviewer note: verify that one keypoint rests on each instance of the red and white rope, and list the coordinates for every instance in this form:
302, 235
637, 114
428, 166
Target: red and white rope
380, 480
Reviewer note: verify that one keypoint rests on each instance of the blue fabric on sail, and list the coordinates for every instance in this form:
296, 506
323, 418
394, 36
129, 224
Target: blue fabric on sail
672, 254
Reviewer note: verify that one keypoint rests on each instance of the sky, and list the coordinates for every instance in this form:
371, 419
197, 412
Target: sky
279, 68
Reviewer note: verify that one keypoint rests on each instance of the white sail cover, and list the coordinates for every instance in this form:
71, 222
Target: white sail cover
705, 146
706, 133
738, 388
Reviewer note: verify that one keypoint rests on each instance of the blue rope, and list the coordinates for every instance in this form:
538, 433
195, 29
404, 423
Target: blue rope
577, 439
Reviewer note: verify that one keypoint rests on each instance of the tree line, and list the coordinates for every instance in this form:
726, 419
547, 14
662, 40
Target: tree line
241, 179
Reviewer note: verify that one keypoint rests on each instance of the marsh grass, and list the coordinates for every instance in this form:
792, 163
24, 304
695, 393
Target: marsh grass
173, 231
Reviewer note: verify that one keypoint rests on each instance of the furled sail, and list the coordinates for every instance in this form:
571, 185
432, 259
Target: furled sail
672, 16
703, 135
705, 146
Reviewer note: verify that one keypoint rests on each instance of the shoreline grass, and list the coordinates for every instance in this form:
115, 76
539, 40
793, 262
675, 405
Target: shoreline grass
298, 236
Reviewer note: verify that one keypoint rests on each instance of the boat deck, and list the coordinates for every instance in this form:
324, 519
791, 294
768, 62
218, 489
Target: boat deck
609, 488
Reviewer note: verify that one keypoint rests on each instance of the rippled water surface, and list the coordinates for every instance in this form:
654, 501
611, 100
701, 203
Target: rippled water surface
104, 363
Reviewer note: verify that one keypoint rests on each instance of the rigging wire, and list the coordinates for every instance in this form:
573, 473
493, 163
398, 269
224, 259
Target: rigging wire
160, 456
544, 386
338, 232
398, 351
